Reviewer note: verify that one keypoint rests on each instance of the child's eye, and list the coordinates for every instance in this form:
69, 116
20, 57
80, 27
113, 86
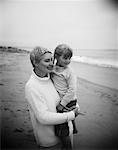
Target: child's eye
66, 57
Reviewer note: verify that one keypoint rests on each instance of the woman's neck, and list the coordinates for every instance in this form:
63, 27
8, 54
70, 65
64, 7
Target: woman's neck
40, 73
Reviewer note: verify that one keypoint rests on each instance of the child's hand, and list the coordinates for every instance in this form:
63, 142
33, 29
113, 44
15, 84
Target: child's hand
73, 107
60, 108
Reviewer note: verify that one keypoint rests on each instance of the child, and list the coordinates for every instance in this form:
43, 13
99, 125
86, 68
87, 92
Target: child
65, 85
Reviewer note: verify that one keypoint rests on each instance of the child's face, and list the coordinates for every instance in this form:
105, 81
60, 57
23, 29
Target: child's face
63, 61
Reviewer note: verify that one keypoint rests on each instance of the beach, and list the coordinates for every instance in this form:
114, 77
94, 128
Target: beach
97, 129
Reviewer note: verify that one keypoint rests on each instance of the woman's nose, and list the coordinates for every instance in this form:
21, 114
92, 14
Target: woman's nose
51, 63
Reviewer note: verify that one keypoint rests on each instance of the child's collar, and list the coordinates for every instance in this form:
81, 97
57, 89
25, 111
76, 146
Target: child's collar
59, 69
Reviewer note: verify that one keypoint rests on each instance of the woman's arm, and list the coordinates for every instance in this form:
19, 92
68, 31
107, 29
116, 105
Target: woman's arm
38, 105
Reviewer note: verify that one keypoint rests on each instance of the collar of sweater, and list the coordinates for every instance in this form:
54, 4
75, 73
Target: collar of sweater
59, 69
39, 78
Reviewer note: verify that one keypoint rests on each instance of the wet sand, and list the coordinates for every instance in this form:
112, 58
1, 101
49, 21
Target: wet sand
105, 76
97, 129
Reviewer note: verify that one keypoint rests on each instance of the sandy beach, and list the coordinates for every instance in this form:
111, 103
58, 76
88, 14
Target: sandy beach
97, 129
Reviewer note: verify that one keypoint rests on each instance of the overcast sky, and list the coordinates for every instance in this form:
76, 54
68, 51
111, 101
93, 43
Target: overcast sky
83, 24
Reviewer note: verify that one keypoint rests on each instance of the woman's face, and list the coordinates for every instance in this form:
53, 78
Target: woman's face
46, 63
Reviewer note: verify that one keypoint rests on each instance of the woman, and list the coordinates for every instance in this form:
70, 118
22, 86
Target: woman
42, 98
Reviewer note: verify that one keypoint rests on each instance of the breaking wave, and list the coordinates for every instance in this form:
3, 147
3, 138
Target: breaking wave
99, 62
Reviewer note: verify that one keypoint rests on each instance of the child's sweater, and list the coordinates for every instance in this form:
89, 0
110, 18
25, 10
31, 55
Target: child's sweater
65, 83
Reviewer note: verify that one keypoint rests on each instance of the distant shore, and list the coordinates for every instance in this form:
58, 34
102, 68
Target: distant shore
12, 49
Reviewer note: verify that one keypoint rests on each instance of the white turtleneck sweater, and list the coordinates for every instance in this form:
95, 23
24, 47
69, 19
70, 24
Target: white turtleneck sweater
43, 98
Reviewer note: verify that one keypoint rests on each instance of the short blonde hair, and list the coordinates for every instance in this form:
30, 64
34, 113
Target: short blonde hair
36, 54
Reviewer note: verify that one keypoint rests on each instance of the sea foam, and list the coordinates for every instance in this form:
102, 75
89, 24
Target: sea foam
94, 61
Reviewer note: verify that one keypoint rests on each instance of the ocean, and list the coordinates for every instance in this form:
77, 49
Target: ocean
100, 57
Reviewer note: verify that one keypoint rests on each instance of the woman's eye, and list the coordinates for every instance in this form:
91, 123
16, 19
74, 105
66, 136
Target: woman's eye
47, 60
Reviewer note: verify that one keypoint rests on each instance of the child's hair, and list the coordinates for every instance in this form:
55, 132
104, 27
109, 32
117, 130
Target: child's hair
63, 49
36, 54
